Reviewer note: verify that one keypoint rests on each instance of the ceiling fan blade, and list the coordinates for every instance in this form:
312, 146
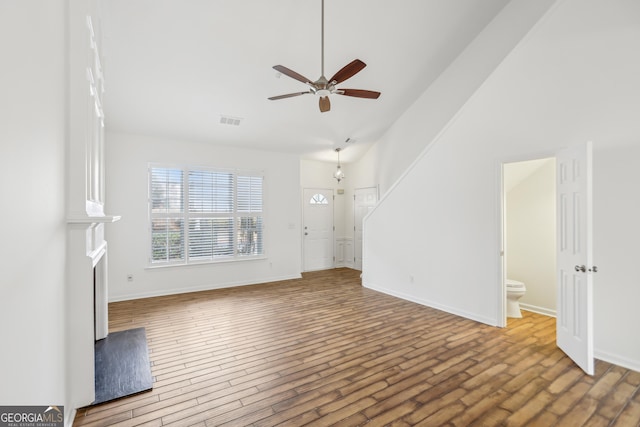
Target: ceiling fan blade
359, 93
287, 72
289, 95
325, 104
348, 71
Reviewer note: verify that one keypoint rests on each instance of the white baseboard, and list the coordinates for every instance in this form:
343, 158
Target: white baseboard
175, 291
344, 265
432, 304
70, 416
634, 365
539, 310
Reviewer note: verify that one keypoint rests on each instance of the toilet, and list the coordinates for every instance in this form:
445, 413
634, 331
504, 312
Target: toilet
515, 291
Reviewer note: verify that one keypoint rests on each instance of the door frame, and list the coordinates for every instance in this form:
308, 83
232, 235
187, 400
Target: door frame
502, 244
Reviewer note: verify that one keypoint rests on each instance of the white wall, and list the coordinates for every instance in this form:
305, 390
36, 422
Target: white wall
128, 157
616, 253
33, 227
385, 162
574, 78
531, 235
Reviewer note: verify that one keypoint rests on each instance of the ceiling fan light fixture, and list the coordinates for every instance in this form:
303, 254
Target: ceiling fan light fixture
324, 87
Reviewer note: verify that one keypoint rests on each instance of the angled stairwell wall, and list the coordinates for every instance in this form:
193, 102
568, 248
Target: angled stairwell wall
402, 257
435, 108
569, 75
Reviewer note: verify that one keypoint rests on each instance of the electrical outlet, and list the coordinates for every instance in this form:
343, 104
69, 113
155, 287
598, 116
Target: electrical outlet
129, 277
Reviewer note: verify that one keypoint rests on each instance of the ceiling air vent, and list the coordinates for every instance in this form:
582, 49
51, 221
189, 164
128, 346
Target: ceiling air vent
231, 121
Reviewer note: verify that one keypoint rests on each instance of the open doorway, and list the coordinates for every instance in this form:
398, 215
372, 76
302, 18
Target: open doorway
529, 233
570, 213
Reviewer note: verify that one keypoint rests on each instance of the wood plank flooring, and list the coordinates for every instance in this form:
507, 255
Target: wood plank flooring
323, 351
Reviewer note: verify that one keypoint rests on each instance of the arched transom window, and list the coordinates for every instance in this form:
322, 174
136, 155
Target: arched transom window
318, 199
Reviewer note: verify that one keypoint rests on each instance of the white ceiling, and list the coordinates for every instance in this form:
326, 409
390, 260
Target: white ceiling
174, 67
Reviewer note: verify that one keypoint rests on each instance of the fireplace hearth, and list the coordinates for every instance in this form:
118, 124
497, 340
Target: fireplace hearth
122, 365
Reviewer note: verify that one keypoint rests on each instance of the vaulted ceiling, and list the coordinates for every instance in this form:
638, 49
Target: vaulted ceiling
174, 68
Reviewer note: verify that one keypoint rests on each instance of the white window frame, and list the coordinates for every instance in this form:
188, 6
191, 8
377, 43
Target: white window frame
186, 215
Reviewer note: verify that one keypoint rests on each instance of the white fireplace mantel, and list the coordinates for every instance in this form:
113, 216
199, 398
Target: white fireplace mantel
87, 249
103, 219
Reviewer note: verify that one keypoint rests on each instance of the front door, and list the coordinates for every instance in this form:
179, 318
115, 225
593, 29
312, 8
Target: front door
317, 230
574, 324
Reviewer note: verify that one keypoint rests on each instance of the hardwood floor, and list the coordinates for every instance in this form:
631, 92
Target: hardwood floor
323, 350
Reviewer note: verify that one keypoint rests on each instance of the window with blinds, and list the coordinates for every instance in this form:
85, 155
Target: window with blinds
204, 215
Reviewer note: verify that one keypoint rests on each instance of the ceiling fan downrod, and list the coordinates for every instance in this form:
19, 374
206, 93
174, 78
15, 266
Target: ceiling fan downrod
322, 41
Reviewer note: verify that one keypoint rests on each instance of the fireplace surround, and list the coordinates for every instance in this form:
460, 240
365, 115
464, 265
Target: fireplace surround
87, 249
87, 315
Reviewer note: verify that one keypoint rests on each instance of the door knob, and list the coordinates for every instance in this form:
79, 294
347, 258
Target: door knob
581, 268
594, 269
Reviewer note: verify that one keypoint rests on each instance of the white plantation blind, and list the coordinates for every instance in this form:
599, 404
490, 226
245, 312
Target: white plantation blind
167, 195
210, 238
249, 205
249, 193
211, 199
223, 219
210, 192
167, 209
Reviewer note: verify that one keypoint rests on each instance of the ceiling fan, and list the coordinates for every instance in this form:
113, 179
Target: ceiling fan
324, 87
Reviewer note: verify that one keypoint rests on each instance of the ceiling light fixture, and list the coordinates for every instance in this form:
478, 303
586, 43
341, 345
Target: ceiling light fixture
338, 174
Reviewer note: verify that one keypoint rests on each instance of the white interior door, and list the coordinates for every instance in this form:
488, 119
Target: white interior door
574, 325
364, 199
317, 229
